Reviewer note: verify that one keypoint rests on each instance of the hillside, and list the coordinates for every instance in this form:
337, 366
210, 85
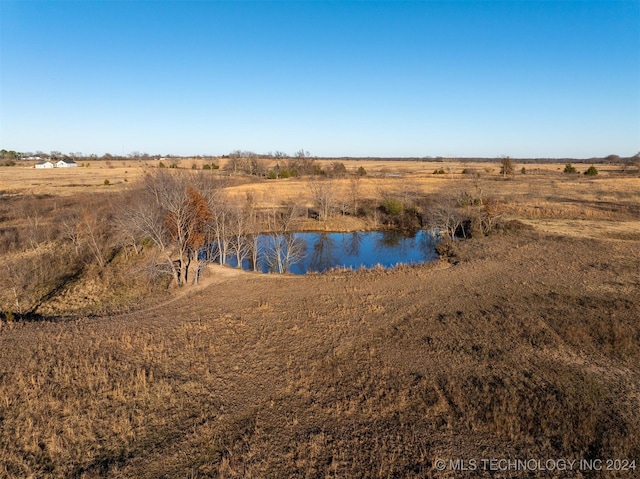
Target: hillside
527, 348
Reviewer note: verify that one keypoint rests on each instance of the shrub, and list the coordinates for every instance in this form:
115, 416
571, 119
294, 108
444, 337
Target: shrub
393, 206
206, 167
506, 166
362, 171
569, 169
438, 172
173, 165
467, 199
285, 174
591, 171
317, 170
160, 164
446, 249
523, 170
338, 169
194, 167
107, 182
272, 175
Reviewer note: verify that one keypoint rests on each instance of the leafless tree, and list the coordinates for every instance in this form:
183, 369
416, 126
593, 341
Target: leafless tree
323, 194
239, 226
354, 190
173, 214
283, 248
69, 228
92, 230
145, 219
493, 212
16, 283
252, 236
218, 228
443, 217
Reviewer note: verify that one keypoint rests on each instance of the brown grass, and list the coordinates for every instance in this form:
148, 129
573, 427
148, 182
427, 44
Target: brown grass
528, 348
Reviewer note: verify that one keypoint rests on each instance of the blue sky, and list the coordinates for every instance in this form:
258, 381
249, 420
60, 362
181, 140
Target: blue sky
518, 78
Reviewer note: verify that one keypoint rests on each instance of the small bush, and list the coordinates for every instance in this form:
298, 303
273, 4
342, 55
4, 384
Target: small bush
206, 167
173, 165
194, 167
338, 169
393, 206
272, 175
467, 199
523, 170
591, 171
362, 171
438, 172
569, 169
285, 174
107, 182
446, 249
161, 165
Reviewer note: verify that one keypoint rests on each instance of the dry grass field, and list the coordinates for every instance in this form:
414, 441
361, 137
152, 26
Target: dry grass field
525, 345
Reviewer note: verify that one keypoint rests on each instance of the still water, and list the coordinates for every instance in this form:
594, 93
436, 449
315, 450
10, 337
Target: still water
324, 251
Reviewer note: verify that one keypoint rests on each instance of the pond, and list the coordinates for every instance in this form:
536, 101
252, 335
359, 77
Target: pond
300, 253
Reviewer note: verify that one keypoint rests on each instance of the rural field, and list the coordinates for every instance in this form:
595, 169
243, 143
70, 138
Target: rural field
521, 342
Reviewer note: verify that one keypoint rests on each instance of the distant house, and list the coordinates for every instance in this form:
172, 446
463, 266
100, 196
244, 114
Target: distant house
66, 163
44, 164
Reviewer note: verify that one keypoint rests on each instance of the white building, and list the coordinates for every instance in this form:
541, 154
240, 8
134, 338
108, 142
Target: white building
44, 164
66, 163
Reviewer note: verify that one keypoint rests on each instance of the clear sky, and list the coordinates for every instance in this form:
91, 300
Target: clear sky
484, 78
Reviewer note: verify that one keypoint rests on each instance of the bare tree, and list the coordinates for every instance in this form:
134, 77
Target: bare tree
218, 228
493, 212
252, 236
92, 231
354, 190
69, 227
173, 214
145, 219
323, 194
283, 248
443, 217
239, 228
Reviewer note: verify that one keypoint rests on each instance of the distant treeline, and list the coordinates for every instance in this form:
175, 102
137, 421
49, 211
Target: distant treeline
6, 155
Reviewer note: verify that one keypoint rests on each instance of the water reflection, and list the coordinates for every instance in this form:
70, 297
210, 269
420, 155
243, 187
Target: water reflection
351, 243
324, 251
